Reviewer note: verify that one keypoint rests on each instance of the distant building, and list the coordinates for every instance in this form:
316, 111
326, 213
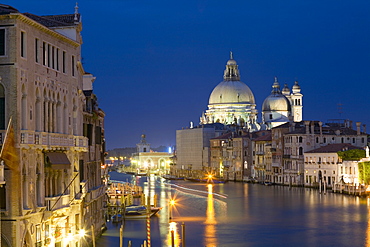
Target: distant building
53, 192
192, 146
262, 158
145, 160
323, 163
280, 106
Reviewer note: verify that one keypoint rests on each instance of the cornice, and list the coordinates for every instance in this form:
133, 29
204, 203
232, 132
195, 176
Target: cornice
29, 21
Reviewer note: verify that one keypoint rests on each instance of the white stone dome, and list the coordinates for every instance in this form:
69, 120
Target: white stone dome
231, 92
276, 102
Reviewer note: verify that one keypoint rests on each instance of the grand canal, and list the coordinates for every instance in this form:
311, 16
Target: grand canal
243, 214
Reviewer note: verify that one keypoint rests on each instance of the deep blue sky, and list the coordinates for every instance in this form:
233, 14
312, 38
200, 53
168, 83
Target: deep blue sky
157, 62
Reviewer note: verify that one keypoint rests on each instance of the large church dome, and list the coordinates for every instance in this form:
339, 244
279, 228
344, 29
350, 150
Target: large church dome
231, 101
231, 89
231, 92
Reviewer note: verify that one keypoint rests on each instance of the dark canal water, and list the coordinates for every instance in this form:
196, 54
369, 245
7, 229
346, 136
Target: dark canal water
243, 214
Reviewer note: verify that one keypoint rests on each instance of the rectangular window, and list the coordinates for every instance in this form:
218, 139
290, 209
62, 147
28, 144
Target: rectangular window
36, 50
90, 133
38, 236
53, 57
81, 170
44, 54
2, 42
73, 65
97, 135
23, 44
49, 55
2, 197
57, 55
64, 61
2, 113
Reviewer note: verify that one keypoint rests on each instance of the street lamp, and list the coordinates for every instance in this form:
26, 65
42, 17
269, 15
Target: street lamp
172, 204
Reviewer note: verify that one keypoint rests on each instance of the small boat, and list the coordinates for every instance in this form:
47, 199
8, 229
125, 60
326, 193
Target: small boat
140, 212
208, 181
117, 218
172, 177
142, 173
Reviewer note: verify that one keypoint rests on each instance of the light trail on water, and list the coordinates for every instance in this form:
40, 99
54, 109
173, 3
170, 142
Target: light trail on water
199, 191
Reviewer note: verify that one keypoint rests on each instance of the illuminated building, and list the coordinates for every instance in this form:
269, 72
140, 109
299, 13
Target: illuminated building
262, 157
232, 105
279, 106
324, 163
53, 188
291, 140
192, 147
231, 101
146, 160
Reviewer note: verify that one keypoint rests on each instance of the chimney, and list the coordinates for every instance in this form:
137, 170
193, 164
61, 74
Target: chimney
358, 126
364, 130
320, 124
350, 124
307, 123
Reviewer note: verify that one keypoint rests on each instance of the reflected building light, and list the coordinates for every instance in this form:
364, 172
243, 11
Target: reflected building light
173, 229
367, 241
210, 227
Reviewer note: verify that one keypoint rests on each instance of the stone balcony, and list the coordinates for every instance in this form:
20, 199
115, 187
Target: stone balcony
52, 140
95, 193
57, 202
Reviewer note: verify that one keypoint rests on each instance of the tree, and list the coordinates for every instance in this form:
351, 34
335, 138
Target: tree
353, 154
364, 171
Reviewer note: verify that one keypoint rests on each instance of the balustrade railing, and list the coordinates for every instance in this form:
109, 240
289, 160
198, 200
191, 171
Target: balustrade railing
57, 202
51, 139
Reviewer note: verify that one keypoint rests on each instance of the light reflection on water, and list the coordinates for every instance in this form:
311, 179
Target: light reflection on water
251, 215
210, 223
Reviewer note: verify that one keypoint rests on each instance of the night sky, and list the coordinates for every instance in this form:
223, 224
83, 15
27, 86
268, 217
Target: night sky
157, 62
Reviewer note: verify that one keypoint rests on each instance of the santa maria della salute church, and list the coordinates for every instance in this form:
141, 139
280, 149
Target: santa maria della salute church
232, 103
232, 143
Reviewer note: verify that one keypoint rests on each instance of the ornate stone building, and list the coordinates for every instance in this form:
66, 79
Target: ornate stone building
231, 101
53, 191
147, 161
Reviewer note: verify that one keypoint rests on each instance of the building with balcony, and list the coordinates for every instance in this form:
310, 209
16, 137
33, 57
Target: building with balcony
305, 136
262, 157
54, 141
324, 165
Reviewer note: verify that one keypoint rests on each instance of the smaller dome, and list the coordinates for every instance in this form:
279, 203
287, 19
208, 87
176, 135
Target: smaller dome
231, 62
296, 88
276, 102
286, 90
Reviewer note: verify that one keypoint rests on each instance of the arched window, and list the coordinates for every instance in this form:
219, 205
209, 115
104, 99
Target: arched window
25, 187
300, 139
300, 150
38, 111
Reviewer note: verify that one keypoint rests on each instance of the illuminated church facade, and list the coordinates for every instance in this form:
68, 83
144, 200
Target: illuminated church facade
232, 103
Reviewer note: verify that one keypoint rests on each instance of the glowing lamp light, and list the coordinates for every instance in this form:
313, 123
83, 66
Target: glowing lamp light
172, 226
172, 202
69, 237
82, 233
